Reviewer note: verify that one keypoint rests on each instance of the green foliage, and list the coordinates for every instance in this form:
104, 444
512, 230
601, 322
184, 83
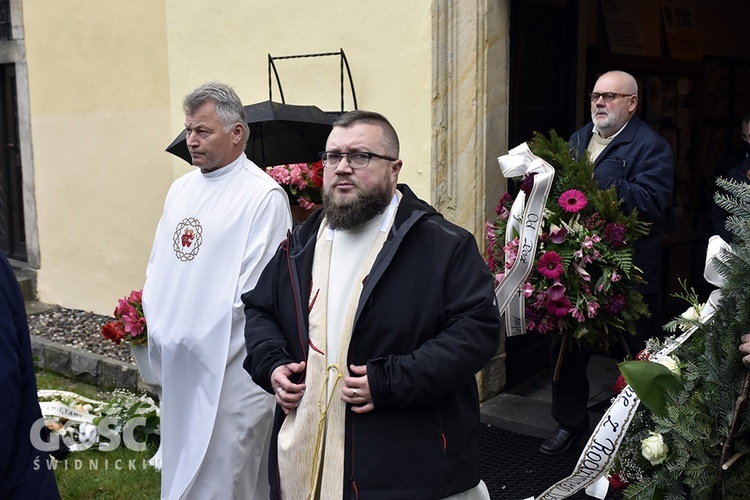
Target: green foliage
119, 474
697, 422
651, 382
578, 173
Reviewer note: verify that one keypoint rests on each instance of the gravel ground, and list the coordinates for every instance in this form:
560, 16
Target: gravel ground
79, 329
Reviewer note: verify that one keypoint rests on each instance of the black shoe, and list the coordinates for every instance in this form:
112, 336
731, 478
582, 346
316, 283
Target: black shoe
558, 442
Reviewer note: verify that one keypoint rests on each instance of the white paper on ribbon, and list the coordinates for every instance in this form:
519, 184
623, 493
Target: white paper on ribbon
599, 488
61, 410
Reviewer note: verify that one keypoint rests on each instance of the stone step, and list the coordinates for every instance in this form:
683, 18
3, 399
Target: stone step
26, 278
83, 366
27, 287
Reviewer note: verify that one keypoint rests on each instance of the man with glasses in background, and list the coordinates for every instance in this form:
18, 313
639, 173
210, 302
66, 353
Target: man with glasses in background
369, 326
629, 155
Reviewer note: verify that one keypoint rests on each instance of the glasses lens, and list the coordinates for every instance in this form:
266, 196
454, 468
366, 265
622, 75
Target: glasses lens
607, 96
330, 159
359, 160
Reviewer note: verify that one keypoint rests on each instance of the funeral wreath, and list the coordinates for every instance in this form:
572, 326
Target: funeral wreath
691, 439
582, 284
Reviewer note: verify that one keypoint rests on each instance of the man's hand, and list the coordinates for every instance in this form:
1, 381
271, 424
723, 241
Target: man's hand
288, 394
356, 390
745, 349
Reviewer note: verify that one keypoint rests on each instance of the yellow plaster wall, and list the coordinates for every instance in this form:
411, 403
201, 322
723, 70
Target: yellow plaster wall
99, 102
106, 82
387, 44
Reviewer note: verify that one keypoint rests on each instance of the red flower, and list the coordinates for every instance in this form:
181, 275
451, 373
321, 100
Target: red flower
572, 201
619, 384
114, 332
550, 265
643, 355
129, 323
616, 483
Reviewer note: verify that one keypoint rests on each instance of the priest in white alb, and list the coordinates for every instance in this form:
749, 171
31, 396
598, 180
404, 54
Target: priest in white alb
221, 224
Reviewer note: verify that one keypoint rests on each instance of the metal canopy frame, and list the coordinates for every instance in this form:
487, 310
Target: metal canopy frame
343, 64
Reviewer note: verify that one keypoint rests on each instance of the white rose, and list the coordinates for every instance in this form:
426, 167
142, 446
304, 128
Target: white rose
654, 449
691, 314
671, 363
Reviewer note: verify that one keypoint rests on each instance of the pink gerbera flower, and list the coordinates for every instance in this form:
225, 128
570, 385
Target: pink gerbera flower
550, 265
572, 201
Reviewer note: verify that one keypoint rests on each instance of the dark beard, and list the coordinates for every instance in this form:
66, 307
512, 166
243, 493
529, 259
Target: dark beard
367, 206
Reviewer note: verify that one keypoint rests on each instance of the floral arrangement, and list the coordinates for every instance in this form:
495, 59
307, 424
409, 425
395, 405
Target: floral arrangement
80, 427
301, 181
582, 283
129, 324
692, 439
644, 447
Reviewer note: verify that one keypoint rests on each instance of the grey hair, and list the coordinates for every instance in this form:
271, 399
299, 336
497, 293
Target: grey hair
390, 137
229, 107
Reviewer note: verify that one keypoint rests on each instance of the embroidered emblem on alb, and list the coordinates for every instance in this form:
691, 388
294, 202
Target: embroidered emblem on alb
187, 239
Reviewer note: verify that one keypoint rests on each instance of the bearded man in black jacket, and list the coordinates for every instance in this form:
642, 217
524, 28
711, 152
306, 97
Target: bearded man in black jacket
369, 326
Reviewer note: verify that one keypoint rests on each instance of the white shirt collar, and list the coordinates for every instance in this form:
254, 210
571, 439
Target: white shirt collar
596, 131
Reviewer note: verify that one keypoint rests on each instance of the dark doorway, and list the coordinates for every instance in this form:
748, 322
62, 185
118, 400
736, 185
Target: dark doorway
543, 47
12, 230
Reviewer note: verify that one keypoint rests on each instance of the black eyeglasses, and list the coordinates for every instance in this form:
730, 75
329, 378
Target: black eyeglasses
359, 159
607, 96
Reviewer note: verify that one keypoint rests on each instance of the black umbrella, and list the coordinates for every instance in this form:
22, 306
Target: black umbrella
279, 134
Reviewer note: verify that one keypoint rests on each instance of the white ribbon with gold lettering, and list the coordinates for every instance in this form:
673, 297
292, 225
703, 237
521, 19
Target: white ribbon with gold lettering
599, 453
525, 219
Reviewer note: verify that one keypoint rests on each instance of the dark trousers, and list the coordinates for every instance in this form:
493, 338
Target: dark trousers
570, 394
